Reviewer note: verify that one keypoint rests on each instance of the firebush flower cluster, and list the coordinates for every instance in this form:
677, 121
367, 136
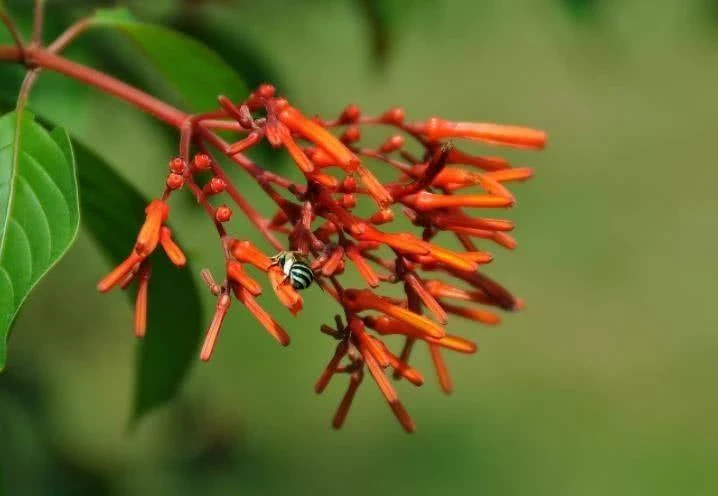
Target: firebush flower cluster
440, 190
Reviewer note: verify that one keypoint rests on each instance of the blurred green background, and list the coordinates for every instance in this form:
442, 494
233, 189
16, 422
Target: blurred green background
601, 386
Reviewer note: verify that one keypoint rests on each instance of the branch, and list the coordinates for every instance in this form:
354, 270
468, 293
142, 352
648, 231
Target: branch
10, 25
41, 57
37, 23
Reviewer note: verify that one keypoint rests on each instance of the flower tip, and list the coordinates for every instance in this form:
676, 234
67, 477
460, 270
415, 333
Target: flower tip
143, 277
403, 416
174, 252
119, 273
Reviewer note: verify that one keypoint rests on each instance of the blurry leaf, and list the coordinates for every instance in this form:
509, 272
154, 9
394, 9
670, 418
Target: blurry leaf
113, 211
39, 211
382, 17
197, 74
238, 49
581, 9
711, 10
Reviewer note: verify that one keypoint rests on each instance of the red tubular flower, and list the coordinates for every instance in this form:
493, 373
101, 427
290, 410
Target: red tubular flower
305, 165
273, 328
521, 137
441, 370
143, 279
359, 300
210, 339
287, 295
386, 325
366, 270
245, 251
430, 201
174, 253
136, 266
237, 275
318, 135
485, 163
518, 174
317, 232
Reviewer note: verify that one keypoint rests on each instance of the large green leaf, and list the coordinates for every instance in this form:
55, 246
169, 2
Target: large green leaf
39, 212
196, 73
113, 211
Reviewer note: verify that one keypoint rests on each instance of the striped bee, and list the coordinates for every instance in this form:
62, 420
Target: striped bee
296, 270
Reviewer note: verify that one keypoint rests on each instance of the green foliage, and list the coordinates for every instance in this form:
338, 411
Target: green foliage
112, 211
194, 72
39, 208
381, 17
581, 9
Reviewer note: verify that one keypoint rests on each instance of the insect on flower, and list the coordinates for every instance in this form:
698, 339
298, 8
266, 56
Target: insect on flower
443, 191
295, 269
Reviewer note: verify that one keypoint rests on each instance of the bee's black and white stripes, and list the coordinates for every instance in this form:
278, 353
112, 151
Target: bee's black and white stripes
299, 273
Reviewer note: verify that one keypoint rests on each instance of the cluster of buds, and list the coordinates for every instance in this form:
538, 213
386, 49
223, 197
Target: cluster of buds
439, 190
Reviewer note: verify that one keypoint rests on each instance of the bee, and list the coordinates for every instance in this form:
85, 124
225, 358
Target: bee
295, 269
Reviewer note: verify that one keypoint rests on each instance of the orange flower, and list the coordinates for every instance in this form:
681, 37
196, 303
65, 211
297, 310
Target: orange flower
237, 274
438, 188
223, 303
245, 251
315, 133
520, 137
271, 325
143, 279
148, 238
288, 296
376, 189
359, 300
485, 163
174, 253
136, 266
387, 325
295, 151
428, 201
365, 270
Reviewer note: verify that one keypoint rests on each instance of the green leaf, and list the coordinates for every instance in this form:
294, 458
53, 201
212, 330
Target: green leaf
581, 9
241, 51
113, 211
195, 73
39, 211
381, 17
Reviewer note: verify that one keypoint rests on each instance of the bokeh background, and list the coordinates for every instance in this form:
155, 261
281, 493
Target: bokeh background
604, 384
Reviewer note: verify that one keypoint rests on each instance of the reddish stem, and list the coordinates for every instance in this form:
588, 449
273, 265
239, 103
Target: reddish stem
41, 57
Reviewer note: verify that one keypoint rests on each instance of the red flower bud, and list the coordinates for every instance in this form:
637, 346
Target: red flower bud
351, 134
215, 186
351, 113
202, 162
223, 214
178, 165
174, 181
393, 116
392, 144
